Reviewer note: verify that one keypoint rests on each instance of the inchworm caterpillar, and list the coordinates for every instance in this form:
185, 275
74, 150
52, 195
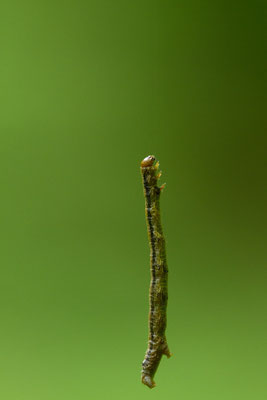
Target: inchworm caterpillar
158, 292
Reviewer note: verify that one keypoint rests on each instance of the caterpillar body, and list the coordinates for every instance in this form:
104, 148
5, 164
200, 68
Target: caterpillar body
158, 292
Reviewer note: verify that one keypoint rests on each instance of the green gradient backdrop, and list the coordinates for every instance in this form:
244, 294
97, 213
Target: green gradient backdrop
89, 88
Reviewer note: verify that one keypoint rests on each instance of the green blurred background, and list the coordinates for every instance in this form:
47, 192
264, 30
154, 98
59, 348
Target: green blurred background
88, 89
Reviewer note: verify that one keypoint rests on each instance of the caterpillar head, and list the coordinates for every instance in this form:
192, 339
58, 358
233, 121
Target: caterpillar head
148, 161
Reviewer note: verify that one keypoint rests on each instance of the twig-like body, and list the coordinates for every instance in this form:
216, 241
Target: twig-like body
158, 293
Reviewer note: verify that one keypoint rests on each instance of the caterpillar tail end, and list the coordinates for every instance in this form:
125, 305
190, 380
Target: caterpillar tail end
148, 381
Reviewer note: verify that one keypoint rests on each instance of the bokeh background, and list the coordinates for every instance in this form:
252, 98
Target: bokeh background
88, 89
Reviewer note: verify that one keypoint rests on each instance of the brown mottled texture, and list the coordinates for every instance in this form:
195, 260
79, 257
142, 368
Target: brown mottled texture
158, 293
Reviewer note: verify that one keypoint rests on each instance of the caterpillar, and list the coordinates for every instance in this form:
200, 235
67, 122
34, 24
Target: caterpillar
158, 291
